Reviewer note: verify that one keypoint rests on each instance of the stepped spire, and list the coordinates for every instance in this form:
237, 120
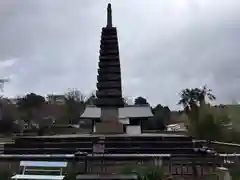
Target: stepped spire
109, 15
109, 93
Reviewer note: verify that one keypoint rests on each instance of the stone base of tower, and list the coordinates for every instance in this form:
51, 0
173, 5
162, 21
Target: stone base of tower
109, 121
109, 114
109, 128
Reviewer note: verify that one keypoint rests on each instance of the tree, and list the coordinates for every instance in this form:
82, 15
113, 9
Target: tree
2, 81
8, 116
75, 95
188, 99
203, 121
91, 100
203, 94
75, 105
210, 124
9, 110
161, 116
191, 98
29, 105
140, 101
45, 124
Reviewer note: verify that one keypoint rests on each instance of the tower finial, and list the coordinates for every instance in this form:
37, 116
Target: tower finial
109, 15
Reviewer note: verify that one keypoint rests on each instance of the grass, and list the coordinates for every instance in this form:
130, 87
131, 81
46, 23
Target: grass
6, 139
5, 175
235, 173
233, 110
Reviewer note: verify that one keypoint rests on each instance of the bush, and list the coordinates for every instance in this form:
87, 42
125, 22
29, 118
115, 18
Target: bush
6, 126
235, 173
145, 173
5, 174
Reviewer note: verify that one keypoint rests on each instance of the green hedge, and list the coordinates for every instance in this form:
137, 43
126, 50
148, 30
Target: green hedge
5, 174
145, 173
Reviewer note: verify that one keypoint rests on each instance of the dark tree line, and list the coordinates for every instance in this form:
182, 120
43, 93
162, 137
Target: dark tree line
203, 120
35, 109
161, 115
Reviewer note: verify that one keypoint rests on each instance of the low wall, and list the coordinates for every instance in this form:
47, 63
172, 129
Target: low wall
108, 167
98, 164
58, 130
222, 147
166, 132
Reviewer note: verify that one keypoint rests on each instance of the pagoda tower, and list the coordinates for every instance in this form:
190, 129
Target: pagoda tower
109, 86
110, 116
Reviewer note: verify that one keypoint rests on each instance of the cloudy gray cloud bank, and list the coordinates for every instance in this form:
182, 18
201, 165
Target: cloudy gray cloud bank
49, 46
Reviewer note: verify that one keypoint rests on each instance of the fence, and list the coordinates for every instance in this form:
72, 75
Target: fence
112, 163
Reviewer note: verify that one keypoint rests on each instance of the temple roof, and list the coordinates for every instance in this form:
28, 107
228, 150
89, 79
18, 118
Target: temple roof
93, 112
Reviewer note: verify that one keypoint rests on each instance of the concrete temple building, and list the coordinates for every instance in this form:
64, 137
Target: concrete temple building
110, 115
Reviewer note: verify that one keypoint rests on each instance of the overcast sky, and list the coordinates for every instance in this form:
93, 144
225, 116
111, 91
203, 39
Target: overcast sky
48, 46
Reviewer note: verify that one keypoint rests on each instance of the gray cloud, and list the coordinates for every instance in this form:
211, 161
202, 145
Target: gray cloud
165, 46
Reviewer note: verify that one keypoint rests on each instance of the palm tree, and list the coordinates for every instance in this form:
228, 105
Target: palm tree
203, 121
191, 98
188, 99
202, 94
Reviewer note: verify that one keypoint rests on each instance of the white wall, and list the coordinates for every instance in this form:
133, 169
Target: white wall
133, 129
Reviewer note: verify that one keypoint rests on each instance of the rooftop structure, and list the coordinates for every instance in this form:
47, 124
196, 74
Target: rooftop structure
55, 99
